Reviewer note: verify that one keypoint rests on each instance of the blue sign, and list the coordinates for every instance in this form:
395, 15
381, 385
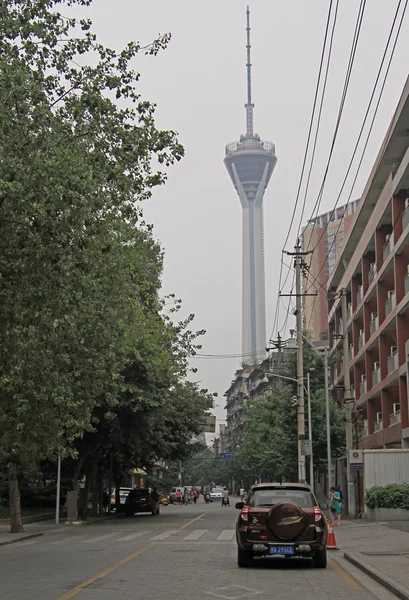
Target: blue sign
226, 455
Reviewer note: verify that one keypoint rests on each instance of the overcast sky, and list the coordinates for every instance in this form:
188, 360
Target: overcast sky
199, 85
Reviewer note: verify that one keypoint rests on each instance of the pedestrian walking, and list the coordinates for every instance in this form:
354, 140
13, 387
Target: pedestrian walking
335, 505
341, 495
178, 496
226, 499
242, 494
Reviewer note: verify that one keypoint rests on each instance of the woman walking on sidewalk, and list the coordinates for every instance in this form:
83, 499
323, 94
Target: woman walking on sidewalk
335, 505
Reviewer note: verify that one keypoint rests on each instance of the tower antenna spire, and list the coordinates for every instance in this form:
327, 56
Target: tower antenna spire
249, 105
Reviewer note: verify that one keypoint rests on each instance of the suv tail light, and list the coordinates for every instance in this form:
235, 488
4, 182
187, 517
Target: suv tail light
245, 513
318, 513
113, 496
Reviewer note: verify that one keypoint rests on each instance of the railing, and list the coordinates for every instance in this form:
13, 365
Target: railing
405, 218
390, 303
359, 296
376, 376
386, 250
395, 418
393, 362
361, 341
407, 283
372, 273
362, 387
350, 354
378, 425
373, 325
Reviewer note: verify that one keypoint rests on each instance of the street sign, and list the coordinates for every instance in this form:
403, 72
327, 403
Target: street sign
356, 460
306, 447
209, 424
226, 455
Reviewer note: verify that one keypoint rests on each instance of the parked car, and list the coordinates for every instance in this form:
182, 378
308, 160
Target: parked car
281, 520
216, 493
141, 500
123, 493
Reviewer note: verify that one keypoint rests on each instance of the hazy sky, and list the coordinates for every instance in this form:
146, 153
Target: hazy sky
199, 85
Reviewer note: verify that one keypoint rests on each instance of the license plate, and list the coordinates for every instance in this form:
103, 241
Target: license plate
281, 550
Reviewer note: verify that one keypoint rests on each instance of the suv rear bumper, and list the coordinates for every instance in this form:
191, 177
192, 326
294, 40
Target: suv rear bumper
300, 549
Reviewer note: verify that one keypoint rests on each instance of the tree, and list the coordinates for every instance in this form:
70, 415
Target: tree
77, 145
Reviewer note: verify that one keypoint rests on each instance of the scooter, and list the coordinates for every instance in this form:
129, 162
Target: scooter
164, 500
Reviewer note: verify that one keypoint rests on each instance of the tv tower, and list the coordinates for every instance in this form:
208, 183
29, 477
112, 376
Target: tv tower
250, 163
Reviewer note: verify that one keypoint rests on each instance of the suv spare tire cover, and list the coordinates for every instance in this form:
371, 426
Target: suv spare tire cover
286, 520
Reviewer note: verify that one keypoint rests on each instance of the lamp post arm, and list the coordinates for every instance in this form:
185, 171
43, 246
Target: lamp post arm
288, 378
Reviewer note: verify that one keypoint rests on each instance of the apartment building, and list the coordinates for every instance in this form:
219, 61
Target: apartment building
373, 268
324, 235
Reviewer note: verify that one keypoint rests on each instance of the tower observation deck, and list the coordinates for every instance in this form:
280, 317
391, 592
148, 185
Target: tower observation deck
250, 163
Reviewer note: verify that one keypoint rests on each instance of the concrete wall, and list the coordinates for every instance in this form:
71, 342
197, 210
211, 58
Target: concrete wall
382, 467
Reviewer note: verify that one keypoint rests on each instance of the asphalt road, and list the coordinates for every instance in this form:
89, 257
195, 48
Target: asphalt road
186, 551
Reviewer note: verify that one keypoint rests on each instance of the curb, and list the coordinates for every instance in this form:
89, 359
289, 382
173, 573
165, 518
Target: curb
29, 536
357, 559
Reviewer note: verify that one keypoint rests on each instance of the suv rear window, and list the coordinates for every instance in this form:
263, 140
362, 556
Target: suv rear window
271, 496
138, 493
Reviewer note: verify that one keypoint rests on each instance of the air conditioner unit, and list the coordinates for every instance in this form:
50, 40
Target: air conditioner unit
352, 388
388, 237
406, 203
376, 365
396, 407
361, 332
351, 346
391, 293
373, 316
379, 416
363, 378
372, 267
394, 349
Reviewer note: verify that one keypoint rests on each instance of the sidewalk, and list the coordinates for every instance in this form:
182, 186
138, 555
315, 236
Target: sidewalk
379, 549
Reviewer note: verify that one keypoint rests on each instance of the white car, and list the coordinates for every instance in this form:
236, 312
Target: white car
216, 493
123, 493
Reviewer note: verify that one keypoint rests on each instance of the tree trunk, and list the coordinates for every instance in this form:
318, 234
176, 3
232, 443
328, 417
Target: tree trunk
117, 480
94, 489
16, 525
110, 487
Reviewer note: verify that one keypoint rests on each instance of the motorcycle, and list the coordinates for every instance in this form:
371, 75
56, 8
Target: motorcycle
207, 497
164, 500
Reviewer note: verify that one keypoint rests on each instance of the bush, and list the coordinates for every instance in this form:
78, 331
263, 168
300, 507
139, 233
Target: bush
394, 495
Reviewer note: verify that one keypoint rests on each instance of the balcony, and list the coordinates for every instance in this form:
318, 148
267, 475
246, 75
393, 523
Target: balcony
386, 250
362, 387
393, 361
359, 295
361, 340
372, 272
376, 376
373, 325
390, 304
405, 218
406, 283
378, 425
395, 418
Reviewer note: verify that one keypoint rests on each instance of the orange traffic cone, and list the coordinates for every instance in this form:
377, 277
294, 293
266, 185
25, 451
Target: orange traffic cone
331, 543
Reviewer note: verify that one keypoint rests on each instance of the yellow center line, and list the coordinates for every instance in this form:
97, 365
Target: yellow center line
103, 573
189, 523
344, 575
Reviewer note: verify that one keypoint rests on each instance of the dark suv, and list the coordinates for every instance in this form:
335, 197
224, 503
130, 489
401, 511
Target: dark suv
141, 500
281, 520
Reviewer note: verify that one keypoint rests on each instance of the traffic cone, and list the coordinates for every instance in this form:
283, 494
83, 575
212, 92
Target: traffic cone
331, 542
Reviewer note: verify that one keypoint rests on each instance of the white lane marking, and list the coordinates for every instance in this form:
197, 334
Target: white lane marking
196, 534
227, 534
164, 535
100, 538
69, 539
133, 536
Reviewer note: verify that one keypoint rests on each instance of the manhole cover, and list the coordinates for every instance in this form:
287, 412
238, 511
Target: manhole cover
234, 592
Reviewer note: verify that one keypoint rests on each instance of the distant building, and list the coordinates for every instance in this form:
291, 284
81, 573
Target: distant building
324, 235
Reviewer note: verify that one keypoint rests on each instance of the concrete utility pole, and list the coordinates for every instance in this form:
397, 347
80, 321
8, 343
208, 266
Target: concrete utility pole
327, 418
310, 433
349, 404
300, 365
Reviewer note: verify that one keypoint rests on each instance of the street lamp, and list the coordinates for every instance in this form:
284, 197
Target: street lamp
323, 354
308, 392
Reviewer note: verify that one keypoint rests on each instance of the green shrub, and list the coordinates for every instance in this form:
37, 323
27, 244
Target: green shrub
394, 495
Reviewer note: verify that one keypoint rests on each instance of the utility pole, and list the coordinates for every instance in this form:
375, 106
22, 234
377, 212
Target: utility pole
310, 433
349, 404
300, 365
327, 418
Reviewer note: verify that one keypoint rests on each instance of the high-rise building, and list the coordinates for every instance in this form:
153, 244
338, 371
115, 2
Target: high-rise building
250, 163
324, 236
